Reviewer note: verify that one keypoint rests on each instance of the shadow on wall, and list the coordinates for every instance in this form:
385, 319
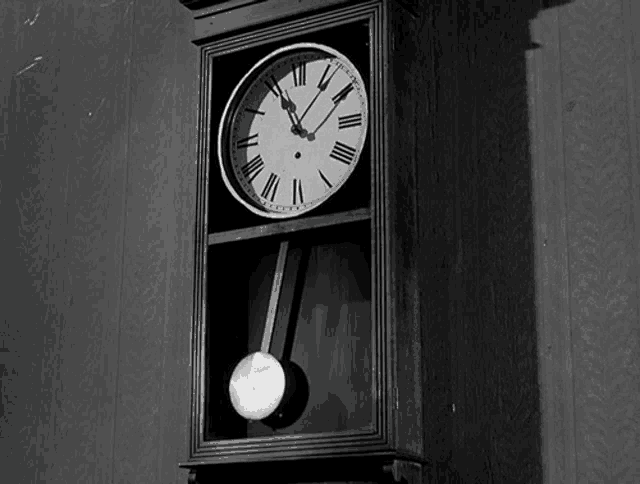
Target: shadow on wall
485, 412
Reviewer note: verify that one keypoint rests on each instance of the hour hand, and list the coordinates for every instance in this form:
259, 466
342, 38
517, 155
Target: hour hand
289, 106
286, 103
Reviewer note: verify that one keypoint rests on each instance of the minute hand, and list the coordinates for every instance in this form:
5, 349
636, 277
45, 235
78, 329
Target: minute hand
322, 86
312, 136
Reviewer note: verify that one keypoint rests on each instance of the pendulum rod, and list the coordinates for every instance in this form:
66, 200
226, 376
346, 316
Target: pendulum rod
276, 290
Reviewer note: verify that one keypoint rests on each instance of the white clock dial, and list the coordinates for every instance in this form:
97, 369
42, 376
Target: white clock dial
293, 130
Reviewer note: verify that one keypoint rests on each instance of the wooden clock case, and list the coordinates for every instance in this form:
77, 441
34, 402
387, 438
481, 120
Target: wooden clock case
350, 314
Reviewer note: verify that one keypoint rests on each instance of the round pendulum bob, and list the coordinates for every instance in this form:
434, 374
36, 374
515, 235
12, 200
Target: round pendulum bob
261, 386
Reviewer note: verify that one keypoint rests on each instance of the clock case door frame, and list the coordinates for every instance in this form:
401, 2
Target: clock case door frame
396, 335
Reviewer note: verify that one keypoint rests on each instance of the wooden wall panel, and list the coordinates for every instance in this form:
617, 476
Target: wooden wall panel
64, 116
545, 147
91, 393
555, 350
600, 227
585, 89
631, 14
153, 383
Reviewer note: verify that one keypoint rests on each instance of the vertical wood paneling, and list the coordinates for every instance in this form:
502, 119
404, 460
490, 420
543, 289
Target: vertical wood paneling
93, 83
64, 115
152, 411
492, 312
555, 349
436, 205
600, 235
436, 175
631, 13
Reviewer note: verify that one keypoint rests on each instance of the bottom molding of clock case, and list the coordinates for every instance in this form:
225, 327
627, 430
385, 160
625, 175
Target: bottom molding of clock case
376, 468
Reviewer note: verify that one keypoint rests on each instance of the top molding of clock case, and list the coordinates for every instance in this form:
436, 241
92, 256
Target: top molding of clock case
213, 18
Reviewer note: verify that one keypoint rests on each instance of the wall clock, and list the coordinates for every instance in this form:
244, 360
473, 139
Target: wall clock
307, 344
293, 130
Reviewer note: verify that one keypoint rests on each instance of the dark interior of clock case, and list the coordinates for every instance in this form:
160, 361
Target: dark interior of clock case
224, 212
323, 324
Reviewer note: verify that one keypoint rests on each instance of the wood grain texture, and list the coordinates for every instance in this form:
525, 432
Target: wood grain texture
483, 119
217, 21
402, 198
600, 228
555, 349
437, 205
631, 14
63, 99
152, 407
289, 226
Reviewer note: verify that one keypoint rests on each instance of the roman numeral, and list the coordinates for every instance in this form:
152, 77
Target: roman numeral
342, 95
343, 153
271, 187
297, 192
322, 85
274, 87
248, 141
253, 168
255, 111
324, 74
299, 73
349, 121
324, 179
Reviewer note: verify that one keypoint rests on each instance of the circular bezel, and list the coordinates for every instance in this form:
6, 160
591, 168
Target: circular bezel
230, 114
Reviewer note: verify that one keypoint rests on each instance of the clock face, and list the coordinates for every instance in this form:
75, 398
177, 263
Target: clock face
293, 130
